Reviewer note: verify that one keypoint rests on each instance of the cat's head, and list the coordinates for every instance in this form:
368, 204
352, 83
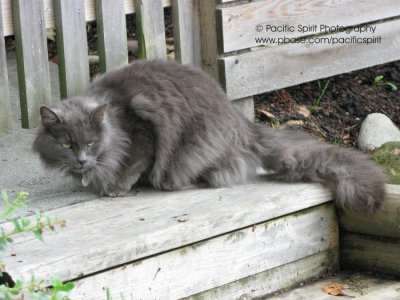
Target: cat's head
71, 137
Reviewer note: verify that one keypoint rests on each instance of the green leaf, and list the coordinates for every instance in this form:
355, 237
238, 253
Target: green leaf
38, 232
392, 85
378, 79
69, 286
4, 196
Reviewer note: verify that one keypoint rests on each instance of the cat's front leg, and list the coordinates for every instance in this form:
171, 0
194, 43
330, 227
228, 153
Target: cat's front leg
123, 187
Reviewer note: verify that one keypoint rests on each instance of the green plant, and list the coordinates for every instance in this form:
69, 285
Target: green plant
35, 287
321, 92
380, 80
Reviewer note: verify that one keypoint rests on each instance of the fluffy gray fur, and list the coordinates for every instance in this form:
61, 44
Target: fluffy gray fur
173, 126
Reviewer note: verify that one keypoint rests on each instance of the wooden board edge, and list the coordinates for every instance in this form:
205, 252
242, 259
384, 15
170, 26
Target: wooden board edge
385, 223
239, 20
371, 254
201, 266
271, 68
274, 280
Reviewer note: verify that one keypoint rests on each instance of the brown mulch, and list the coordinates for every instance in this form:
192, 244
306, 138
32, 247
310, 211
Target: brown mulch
347, 100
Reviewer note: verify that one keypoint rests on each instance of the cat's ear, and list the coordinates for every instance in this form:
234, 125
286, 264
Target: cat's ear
98, 114
48, 116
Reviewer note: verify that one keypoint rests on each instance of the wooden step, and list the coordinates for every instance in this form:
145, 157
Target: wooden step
356, 286
373, 243
194, 243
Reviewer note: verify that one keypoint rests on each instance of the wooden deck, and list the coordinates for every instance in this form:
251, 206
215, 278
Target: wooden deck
200, 243
356, 286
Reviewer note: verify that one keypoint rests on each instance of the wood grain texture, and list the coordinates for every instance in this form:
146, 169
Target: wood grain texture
246, 106
72, 49
209, 38
277, 67
208, 264
90, 12
5, 111
238, 23
276, 279
108, 232
384, 223
186, 31
112, 38
32, 59
364, 287
150, 29
370, 254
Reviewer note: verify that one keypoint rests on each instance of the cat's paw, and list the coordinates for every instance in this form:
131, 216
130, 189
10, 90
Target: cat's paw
114, 194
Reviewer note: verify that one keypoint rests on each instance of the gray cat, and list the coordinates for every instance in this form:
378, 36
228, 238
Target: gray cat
172, 126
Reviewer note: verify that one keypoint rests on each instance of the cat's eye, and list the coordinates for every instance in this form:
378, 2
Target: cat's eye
91, 144
67, 146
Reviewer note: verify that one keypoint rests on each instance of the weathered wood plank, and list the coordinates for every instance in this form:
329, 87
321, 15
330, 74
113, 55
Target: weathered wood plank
384, 223
49, 12
72, 49
122, 230
370, 254
209, 38
246, 106
32, 60
361, 287
276, 279
150, 29
272, 68
305, 17
112, 39
186, 31
5, 111
205, 265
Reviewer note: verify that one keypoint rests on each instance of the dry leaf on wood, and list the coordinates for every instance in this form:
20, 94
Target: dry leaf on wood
334, 289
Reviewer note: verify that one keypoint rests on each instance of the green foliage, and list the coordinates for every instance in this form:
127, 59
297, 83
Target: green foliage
388, 156
380, 80
35, 287
321, 91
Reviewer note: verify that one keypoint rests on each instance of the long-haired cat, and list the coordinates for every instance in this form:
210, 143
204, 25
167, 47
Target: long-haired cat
173, 126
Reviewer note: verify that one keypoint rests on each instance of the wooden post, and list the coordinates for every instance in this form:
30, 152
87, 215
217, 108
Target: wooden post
210, 39
71, 46
111, 29
209, 48
5, 111
186, 31
150, 29
32, 59
246, 106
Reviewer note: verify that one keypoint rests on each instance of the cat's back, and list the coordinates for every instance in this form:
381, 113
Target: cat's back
159, 77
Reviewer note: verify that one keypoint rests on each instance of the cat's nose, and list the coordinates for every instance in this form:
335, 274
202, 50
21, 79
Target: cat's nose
82, 159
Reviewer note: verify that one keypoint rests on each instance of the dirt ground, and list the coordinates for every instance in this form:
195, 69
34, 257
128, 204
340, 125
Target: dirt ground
346, 101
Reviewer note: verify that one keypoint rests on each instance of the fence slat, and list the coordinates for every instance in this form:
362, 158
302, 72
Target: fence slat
150, 29
32, 59
186, 31
111, 29
5, 111
71, 46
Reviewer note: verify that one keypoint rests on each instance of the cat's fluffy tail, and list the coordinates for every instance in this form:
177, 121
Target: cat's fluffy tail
356, 182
